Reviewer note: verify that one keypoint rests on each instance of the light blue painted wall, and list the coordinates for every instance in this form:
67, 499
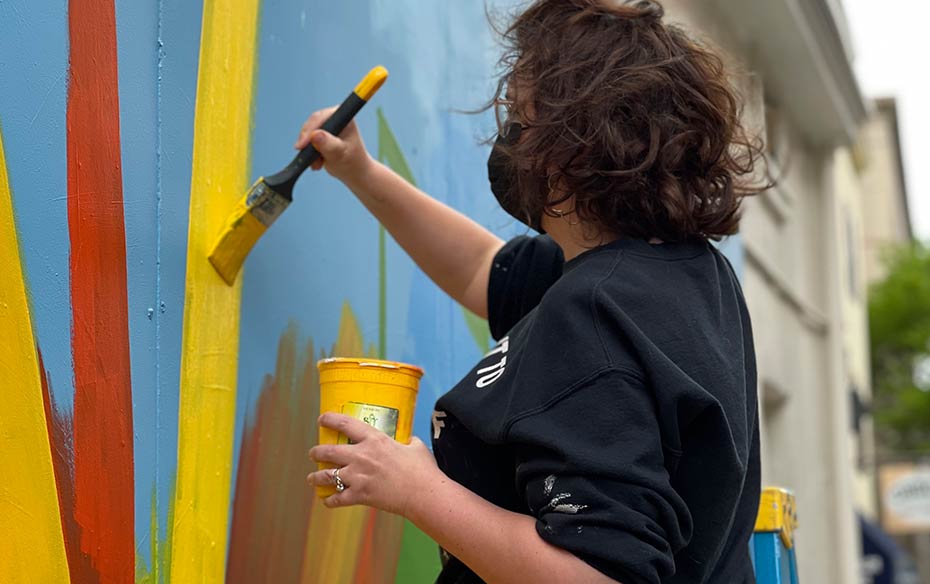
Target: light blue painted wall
137, 29
33, 91
177, 65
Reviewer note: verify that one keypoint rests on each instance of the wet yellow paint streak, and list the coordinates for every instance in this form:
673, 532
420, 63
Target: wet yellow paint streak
32, 547
210, 342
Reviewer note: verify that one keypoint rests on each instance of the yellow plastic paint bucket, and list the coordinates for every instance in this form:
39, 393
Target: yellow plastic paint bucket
381, 393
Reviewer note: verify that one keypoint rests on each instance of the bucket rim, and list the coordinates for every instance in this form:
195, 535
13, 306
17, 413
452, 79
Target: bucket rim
366, 362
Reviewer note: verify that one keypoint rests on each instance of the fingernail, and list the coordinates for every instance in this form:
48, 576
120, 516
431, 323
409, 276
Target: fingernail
318, 139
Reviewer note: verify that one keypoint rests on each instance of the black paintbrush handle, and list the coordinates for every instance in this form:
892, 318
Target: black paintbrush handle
283, 182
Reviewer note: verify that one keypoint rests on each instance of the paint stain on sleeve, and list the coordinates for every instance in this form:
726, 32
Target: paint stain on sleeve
559, 502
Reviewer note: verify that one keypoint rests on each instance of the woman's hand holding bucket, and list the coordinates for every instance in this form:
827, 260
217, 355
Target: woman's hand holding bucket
376, 470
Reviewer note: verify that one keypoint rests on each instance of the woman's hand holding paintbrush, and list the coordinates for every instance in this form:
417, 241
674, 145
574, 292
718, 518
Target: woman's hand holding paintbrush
453, 250
347, 158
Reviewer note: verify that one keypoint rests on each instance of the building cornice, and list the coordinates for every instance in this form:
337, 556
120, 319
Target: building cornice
801, 49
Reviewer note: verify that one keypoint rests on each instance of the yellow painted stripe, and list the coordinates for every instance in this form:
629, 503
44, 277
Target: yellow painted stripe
32, 548
210, 342
333, 543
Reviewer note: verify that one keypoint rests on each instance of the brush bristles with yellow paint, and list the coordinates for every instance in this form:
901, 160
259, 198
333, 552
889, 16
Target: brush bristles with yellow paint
270, 196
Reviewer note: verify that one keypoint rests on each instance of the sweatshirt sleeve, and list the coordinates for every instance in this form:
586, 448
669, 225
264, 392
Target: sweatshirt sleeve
521, 273
592, 470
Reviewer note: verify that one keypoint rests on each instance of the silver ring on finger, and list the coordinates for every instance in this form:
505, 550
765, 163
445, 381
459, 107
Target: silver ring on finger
340, 485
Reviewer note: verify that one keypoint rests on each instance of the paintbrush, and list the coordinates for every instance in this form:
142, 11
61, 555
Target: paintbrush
267, 199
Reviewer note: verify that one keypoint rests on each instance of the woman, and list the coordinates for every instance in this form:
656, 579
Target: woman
612, 433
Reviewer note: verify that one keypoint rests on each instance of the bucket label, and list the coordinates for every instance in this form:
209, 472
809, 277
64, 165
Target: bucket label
380, 417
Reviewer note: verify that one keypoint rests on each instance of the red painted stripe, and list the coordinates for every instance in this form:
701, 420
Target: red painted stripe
60, 429
103, 463
365, 570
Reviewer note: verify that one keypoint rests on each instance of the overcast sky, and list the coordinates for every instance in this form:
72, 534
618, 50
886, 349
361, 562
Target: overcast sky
892, 44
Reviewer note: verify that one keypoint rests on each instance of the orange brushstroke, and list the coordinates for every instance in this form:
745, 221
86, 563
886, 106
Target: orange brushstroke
380, 549
273, 504
280, 531
365, 570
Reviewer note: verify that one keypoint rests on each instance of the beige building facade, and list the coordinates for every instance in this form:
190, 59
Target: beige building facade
884, 191
883, 205
802, 250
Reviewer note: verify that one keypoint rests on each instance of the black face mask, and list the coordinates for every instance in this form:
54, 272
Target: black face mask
502, 179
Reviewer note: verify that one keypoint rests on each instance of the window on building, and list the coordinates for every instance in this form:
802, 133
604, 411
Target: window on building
852, 271
775, 143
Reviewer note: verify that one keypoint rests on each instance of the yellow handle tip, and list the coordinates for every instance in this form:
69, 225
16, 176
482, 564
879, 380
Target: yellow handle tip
371, 83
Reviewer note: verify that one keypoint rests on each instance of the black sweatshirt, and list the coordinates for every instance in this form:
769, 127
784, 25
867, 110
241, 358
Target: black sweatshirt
618, 408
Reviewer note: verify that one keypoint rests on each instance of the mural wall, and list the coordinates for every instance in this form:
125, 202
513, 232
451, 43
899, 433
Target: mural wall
155, 421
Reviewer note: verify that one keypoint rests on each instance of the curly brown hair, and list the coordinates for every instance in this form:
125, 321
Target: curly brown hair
631, 115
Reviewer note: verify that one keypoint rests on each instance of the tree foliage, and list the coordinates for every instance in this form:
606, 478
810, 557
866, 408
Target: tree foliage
899, 322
